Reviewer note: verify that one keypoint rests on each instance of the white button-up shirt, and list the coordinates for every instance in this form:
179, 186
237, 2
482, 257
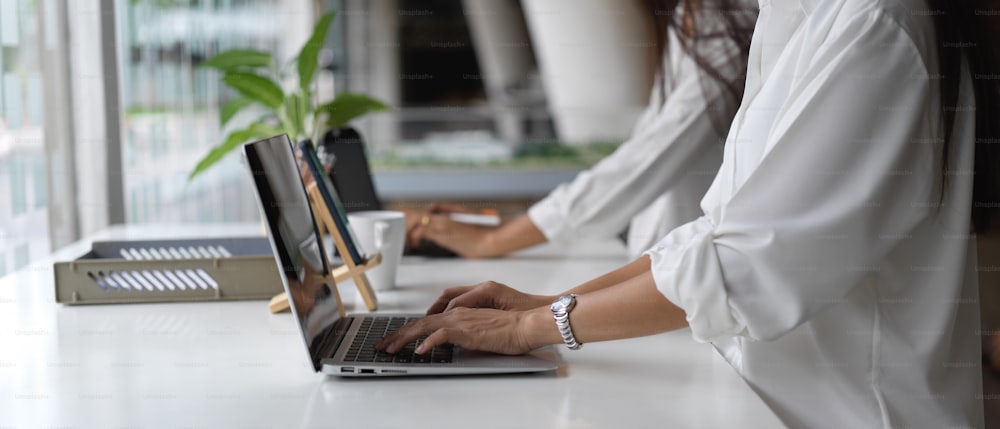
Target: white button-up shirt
652, 183
828, 268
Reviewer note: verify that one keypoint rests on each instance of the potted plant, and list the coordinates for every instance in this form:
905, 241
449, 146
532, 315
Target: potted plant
258, 79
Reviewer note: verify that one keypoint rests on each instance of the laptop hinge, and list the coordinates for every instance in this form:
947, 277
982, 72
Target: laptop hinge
328, 341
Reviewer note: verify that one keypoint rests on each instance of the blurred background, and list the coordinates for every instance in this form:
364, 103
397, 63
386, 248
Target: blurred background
105, 110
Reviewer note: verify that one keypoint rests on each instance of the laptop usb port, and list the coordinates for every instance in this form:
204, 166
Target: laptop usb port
347, 369
367, 371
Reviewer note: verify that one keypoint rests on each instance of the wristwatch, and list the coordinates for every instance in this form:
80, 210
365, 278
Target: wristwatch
560, 311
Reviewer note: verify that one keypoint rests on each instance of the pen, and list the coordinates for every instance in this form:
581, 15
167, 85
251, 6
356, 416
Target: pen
475, 219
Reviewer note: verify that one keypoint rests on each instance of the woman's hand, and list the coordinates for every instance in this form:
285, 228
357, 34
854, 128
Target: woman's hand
488, 295
419, 223
497, 331
469, 241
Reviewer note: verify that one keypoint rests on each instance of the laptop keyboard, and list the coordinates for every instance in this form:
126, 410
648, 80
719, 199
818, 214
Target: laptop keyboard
374, 328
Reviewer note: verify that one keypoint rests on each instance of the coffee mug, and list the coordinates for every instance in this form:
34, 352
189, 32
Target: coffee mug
380, 231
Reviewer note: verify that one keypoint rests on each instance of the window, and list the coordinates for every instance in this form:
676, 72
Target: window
23, 184
171, 104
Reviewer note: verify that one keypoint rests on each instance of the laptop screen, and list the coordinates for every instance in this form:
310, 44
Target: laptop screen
292, 232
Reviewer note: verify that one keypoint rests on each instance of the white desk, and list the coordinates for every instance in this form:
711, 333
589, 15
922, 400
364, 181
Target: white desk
232, 364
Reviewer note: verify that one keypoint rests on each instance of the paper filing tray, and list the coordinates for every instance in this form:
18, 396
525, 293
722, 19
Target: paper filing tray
169, 271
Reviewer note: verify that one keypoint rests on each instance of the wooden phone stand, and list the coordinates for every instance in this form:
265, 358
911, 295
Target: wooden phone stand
324, 222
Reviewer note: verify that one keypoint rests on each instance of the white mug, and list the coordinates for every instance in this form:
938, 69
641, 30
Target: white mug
380, 231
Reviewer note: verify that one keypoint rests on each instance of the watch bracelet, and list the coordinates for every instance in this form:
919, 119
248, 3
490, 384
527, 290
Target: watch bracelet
565, 330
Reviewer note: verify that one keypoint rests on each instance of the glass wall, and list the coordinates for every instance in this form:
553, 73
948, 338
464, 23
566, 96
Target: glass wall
172, 105
23, 185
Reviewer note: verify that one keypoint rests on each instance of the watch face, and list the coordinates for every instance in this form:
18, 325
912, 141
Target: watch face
562, 303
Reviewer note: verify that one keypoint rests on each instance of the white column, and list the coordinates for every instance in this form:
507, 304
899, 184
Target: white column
596, 64
60, 154
96, 173
372, 45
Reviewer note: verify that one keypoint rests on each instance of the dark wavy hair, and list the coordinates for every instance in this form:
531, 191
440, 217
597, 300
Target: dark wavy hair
970, 28
702, 22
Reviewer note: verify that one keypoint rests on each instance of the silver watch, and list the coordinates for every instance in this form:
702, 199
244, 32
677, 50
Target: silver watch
560, 311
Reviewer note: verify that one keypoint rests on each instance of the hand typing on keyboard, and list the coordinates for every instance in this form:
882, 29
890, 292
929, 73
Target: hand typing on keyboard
498, 331
374, 329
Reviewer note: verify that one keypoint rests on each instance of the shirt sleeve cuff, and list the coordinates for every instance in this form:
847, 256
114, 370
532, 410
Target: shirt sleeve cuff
547, 218
687, 272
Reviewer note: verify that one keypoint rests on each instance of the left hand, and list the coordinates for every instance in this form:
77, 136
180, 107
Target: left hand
418, 221
497, 331
469, 241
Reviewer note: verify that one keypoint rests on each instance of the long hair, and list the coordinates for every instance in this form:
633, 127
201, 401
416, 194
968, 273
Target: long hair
699, 23
970, 29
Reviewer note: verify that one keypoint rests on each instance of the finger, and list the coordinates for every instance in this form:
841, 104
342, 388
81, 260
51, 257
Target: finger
436, 207
443, 230
412, 224
484, 294
389, 339
449, 294
395, 341
437, 338
473, 299
412, 219
415, 236
443, 207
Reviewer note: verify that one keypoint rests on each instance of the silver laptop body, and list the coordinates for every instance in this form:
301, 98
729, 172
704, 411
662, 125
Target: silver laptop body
338, 345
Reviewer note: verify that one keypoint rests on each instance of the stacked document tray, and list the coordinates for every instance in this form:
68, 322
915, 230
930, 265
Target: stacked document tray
169, 270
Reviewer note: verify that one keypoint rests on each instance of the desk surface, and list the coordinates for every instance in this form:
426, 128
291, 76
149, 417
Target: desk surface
212, 365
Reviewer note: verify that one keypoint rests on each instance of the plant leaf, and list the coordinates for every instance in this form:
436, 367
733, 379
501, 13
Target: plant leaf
296, 116
348, 106
233, 107
234, 59
236, 138
256, 87
309, 55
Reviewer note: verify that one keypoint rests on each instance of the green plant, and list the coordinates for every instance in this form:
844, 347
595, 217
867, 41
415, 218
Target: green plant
256, 77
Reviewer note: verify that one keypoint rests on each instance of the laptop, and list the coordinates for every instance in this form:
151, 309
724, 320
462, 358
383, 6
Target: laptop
340, 344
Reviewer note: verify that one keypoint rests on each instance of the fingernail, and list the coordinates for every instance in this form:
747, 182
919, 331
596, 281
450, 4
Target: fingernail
421, 349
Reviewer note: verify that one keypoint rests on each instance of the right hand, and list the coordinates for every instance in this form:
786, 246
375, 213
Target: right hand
488, 295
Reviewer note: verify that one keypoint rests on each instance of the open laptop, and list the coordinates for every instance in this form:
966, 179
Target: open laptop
340, 344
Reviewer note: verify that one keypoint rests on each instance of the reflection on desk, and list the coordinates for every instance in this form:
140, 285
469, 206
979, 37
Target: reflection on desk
231, 364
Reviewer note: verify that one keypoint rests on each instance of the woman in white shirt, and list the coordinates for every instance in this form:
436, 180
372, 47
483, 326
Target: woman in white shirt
653, 181
833, 265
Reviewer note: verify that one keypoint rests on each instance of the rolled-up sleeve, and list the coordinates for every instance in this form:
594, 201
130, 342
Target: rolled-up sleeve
685, 259
847, 172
